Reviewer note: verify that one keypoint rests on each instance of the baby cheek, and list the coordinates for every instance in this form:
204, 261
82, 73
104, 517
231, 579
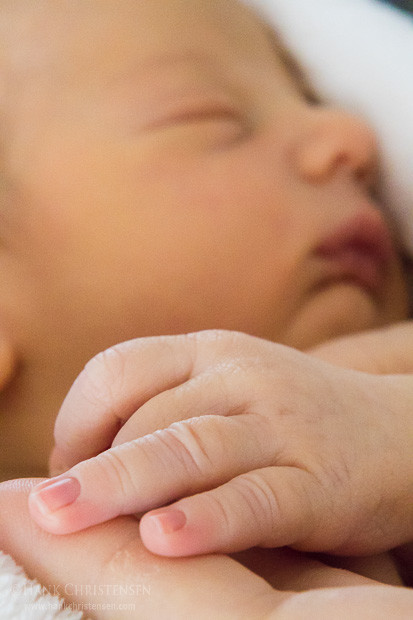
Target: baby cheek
258, 194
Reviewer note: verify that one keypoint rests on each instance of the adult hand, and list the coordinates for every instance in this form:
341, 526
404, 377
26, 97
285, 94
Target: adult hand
108, 565
383, 351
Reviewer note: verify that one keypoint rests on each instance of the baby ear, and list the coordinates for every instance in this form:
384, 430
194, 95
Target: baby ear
8, 360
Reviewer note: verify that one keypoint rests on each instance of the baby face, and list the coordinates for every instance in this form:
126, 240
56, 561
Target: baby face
162, 172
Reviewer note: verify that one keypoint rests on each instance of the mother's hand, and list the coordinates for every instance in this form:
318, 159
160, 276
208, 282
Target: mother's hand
112, 556
107, 564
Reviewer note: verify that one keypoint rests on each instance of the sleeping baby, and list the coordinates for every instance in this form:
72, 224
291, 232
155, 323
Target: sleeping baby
167, 170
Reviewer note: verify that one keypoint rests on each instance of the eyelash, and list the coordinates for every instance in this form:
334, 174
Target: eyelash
195, 116
189, 118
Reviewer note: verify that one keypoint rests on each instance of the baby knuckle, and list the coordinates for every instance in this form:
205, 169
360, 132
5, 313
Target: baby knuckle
208, 336
116, 472
185, 445
102, 377
261, 500
221, 341
223, 513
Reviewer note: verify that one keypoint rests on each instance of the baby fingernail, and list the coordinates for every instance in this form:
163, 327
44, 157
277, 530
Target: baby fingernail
56, 493
167, 522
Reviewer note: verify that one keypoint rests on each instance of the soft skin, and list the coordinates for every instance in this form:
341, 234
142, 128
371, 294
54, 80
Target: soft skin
157, 185
292, 587
145, 178
268, 447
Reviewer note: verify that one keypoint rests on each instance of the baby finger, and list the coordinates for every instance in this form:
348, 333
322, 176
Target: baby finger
186, 458
270, 507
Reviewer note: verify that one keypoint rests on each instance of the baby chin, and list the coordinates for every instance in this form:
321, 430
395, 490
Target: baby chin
343, 307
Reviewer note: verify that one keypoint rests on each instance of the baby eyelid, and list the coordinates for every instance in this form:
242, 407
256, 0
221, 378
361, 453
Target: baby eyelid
212, 114
197, 112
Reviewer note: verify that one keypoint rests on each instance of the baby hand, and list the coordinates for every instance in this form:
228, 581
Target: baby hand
260, 444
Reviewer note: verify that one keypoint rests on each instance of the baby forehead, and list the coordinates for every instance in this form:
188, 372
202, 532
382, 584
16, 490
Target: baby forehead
46, 33
71, 52
52, 31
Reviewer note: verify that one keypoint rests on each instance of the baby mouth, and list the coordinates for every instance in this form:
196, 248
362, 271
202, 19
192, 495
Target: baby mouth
356, 263
360, 252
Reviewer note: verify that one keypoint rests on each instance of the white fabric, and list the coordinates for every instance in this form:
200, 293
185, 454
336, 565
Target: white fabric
358, 54
24, 599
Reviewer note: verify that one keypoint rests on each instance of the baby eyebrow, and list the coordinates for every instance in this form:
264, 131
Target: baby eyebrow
157, 89
165, 60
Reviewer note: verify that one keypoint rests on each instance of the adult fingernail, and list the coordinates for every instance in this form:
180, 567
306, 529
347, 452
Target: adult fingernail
166, 522
56, 493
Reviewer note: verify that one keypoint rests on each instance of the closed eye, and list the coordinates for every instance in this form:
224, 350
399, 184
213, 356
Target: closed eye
195, 114
216, 124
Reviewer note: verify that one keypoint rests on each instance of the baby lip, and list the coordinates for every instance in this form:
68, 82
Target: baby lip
358, 262
361, 251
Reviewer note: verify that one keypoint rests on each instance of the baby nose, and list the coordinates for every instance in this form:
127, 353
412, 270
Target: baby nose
335, 140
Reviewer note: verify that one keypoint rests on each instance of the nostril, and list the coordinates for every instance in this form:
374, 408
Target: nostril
336, 141
363, 176
367, 177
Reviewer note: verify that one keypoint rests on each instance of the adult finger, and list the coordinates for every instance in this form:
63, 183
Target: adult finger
384, 350
371, 602
108, 567
188, 457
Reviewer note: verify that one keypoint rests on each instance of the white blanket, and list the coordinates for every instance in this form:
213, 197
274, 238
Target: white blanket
24, 599
358, 54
